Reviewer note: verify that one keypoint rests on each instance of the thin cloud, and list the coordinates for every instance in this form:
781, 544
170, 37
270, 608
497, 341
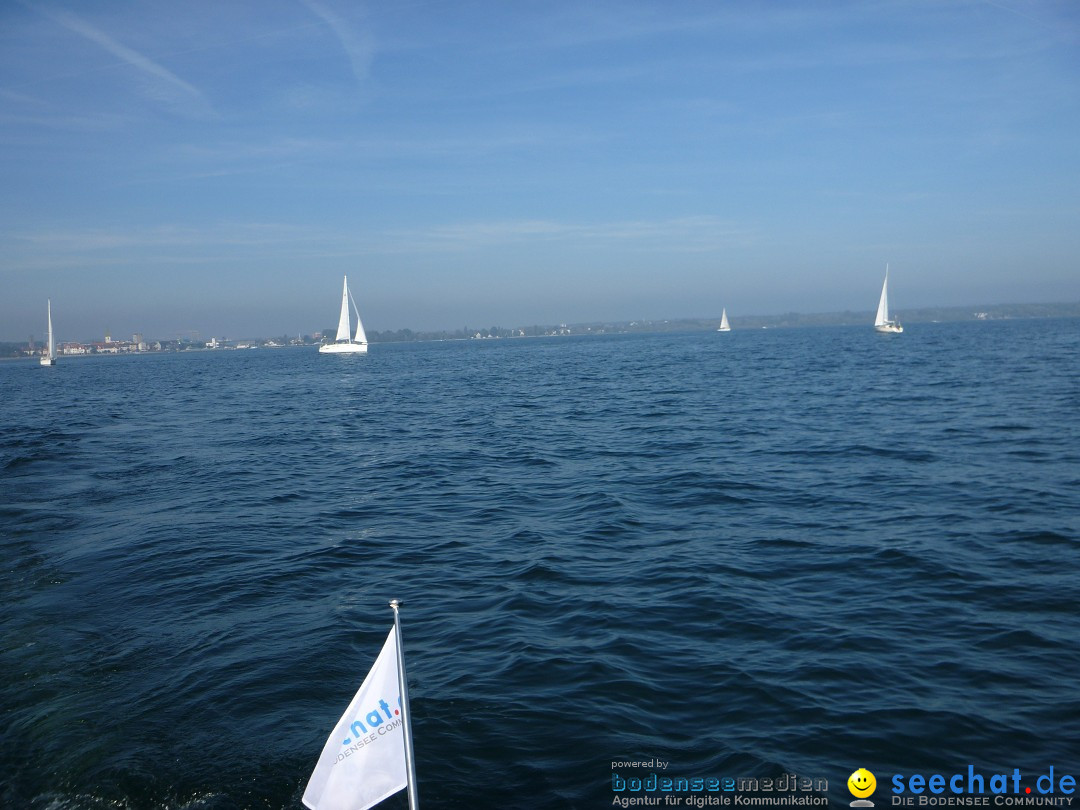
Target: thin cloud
85, 249
92, 247
690, 234
358, 47
21, 98
226, 233
165, 85
71, 123
1054, 26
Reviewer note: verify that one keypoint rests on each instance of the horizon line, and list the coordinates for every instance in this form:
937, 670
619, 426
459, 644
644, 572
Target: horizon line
914, 315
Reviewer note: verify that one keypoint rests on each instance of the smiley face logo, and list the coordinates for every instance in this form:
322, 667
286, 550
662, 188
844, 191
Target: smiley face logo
861, 783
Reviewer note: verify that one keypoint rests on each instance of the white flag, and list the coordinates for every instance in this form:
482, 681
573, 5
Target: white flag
363, 762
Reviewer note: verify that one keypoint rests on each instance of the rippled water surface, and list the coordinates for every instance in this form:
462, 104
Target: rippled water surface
748, 554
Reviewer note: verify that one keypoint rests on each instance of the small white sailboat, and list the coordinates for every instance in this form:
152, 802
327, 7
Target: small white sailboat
50, 358
882, 322
724, 325
343, 343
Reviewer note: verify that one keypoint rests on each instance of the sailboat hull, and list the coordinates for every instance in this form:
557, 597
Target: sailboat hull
343, 348
894, 328
47, 361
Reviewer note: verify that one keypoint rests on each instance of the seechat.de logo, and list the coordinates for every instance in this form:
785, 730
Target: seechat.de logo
861, 784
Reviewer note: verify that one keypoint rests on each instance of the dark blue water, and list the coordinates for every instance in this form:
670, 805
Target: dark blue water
764, 552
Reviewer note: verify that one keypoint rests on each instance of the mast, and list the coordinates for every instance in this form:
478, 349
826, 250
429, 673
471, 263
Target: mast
406, 720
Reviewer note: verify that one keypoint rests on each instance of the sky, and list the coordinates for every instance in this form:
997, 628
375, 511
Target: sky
216, 168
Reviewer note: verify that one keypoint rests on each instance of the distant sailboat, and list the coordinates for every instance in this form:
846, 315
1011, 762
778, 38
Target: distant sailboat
50, 358
724, 325
344, 344
882, 322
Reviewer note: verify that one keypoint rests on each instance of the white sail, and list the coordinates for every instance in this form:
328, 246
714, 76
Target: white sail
343, 320
363, 761
883, 303
724, 325
52, 340
50, 358
882, 322
361, 336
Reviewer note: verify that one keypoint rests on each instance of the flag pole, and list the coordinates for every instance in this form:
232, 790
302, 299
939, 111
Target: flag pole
406, 720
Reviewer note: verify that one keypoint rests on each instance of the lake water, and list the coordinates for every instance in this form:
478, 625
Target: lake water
747, 554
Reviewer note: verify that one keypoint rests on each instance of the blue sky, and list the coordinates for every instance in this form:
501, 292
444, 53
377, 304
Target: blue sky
168, 167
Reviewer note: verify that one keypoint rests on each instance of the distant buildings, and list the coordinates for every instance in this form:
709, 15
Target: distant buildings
110, 346
140, 345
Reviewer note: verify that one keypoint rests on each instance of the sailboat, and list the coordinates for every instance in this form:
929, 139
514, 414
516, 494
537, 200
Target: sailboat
882, 322
724, 325
50, 358
343, 343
